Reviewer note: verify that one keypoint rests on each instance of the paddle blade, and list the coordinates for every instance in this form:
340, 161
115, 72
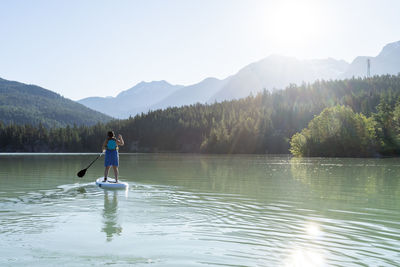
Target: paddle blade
81, 173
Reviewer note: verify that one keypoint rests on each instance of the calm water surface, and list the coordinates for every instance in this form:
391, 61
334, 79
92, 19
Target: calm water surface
195, 210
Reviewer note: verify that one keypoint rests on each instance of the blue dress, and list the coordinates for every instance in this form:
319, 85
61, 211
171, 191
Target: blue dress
111, 158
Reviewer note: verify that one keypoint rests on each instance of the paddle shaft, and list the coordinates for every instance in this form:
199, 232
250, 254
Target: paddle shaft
94, 160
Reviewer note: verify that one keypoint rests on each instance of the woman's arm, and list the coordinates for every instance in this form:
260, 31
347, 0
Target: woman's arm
120, 141
104, 145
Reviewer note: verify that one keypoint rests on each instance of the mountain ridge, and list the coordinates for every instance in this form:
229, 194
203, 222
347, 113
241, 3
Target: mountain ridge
272, 72
129, 102
31, 104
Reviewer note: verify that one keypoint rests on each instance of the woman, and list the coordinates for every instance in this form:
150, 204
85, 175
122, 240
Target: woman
110, 146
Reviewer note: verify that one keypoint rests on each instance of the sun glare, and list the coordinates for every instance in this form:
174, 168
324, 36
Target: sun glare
293, 22
307, 256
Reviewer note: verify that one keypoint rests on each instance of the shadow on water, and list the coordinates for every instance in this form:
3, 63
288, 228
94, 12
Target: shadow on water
110, 215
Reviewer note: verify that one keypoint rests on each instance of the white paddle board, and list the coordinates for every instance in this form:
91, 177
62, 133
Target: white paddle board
110, 183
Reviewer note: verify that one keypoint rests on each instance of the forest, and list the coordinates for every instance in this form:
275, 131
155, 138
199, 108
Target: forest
354, 117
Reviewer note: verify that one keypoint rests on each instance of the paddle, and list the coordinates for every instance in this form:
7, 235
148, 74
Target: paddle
82, 173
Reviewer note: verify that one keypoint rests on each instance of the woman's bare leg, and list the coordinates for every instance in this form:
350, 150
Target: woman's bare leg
106, 172
116, 173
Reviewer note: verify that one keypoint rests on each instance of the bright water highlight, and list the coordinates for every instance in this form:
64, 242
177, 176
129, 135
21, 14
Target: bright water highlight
196, 210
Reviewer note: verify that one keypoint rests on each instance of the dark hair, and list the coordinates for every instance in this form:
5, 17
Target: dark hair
110, 134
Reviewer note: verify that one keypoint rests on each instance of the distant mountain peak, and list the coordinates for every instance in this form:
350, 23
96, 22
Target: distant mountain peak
160, 82
146, 86
132, 101
389, 49
209, 79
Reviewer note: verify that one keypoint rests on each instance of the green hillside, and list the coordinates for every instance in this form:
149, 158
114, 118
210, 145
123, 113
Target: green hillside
29, 104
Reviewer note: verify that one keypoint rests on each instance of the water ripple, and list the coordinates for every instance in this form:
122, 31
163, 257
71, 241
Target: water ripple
249, 212
270, 230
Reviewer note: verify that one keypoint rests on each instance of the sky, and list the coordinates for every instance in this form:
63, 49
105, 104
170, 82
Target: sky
100, 48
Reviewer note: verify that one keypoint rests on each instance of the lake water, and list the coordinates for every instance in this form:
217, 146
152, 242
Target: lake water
195, 210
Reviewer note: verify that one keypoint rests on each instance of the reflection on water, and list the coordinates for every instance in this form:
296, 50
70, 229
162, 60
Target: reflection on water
110, 215
305, 257
196, 210
351, 180
309, 253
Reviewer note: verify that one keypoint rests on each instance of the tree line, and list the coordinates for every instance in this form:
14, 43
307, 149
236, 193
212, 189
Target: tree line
297, 119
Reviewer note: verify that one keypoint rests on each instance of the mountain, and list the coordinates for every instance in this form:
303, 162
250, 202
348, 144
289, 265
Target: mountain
196, 93
386, 62
30, 104
132, 101
273, 72
278, 72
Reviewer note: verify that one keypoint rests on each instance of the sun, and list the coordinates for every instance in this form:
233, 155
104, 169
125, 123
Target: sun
293, 21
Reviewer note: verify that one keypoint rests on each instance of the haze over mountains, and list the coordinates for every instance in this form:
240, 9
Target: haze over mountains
386, 62
132, 101
273, 72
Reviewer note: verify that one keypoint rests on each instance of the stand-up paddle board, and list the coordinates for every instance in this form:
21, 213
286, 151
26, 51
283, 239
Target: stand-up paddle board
111, 184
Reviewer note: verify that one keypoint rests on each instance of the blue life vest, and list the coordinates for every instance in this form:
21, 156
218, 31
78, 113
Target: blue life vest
112, 144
